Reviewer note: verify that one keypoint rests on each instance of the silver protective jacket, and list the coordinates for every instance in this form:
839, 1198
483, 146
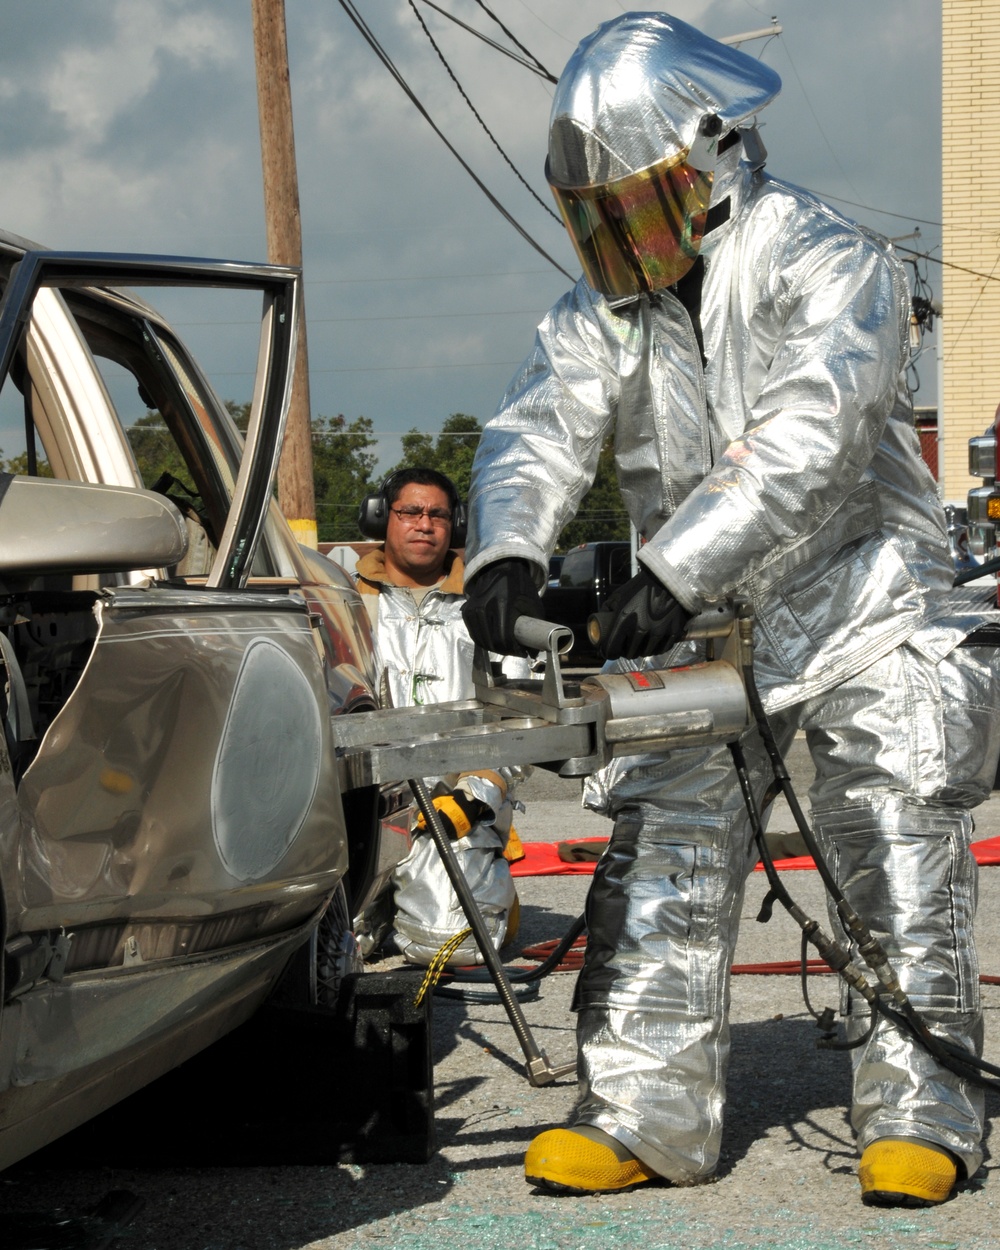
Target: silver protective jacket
425, 652
422, 646
788, 473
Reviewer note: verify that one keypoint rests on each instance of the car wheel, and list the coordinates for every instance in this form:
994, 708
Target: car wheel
334, 951
315, 972
375, 923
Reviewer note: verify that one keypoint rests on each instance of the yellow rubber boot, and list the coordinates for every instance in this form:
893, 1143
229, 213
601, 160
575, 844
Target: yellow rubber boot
583, 1160
904, 1172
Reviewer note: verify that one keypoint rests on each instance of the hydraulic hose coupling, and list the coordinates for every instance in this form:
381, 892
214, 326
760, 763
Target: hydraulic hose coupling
744, 625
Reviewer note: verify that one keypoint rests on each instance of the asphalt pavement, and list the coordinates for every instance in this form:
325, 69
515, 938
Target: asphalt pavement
787, 1177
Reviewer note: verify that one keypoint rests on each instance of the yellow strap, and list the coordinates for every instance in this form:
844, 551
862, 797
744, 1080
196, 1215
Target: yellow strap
437, 965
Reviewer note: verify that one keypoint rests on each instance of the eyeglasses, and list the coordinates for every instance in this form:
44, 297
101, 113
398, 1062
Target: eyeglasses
411, 514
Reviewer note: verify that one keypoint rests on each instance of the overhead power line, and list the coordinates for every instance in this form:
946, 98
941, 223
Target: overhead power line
489, 13
449, 316
475, 113
533, 64
474, 364
370, 38
819, 124
870, 208
950, 264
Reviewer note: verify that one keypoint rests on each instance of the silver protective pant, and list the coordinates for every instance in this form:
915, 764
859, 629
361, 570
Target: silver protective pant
428, 913
902, 751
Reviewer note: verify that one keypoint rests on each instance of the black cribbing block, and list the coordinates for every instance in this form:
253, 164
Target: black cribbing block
392, 1069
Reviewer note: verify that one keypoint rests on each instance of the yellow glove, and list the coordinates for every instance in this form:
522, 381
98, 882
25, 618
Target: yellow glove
458, 813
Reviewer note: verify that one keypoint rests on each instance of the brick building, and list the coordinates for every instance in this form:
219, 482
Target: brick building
970, 326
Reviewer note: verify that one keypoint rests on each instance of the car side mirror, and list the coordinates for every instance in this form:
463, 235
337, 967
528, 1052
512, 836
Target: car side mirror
50, 525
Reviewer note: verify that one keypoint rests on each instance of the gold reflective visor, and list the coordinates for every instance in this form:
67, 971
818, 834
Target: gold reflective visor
640, 233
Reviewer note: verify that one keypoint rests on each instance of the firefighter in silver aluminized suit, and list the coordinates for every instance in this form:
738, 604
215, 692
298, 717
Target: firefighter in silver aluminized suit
747, 345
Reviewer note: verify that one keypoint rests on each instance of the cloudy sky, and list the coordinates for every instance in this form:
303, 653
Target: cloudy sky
132, 126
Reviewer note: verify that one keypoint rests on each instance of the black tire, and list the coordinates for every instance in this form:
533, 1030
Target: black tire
315, 972
334, 952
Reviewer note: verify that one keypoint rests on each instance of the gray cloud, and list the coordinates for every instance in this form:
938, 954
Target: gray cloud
133, 126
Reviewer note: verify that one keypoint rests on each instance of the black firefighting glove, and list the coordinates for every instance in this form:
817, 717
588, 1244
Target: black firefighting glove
640, 618
495, 597
459, 813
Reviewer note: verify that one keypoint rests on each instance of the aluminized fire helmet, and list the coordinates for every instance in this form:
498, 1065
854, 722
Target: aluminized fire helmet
635, 126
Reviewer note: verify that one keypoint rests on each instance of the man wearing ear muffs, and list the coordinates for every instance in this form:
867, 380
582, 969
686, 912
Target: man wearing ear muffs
412, 588
748, 345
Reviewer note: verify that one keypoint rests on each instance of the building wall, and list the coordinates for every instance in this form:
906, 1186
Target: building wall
970, 326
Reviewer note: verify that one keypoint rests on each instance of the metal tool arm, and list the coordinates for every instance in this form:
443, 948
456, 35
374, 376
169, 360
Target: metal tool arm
573, 728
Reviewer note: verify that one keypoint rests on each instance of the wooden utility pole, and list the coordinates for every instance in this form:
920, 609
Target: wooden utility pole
284, 247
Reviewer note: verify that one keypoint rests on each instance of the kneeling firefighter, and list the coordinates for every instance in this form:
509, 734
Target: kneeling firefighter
747, 343
412, 587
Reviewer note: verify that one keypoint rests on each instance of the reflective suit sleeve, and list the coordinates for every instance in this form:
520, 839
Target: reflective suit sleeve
837, 318
538, 455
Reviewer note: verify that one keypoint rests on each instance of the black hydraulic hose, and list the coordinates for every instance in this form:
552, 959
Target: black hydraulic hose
977, 571
551, 962
869, 947
832, 952
893, 1002
545, 968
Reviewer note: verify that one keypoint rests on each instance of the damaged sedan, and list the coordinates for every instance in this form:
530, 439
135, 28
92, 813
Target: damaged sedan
173, 841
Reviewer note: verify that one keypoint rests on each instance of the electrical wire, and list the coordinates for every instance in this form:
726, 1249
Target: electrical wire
475, 113
322, 321
368, 35
949, 264
819, 124
953, 343
533, 65
923, 310
544, 23
510, 35
431, 277
473, 364
869, 208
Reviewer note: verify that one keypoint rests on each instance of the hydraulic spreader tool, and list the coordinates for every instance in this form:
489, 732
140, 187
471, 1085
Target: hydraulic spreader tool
575, 728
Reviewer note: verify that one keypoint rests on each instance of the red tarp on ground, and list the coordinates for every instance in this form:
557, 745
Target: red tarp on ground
541, 859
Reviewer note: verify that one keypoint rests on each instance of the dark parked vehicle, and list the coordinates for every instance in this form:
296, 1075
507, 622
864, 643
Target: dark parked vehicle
589, 573
982, 538
172, 832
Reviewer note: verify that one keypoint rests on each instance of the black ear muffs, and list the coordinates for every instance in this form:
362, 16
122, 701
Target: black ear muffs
459, 525
373, 516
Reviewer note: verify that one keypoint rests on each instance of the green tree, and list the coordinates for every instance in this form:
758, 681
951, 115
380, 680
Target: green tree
156, 451
240, 414
601, 515
344, 460
19, 465
451, 453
